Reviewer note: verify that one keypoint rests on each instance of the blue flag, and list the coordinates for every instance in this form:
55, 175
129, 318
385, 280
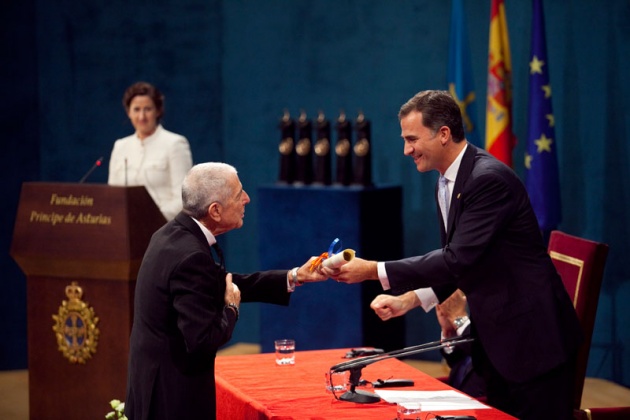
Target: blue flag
541, 162
460, 77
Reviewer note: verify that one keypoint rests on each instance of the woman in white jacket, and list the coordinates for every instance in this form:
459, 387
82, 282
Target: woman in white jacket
152, 156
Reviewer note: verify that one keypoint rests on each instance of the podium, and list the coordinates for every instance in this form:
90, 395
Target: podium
82, 241
299, 222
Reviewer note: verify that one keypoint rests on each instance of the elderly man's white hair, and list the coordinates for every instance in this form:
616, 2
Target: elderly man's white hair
205, 184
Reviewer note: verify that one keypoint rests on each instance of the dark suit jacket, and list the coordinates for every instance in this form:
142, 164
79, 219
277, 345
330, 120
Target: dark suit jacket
462, 375
522, 316
180, 321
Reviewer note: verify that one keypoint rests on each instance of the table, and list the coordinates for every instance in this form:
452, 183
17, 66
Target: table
253, 387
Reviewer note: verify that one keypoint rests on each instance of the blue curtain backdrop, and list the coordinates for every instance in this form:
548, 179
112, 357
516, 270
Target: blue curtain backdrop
229, 69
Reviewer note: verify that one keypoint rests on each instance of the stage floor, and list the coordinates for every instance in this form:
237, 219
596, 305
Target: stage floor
14, 386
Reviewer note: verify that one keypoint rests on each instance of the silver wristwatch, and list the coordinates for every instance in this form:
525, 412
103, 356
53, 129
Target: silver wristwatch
460, 321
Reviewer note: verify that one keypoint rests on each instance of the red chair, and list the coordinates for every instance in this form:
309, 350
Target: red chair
608, 413
580, 262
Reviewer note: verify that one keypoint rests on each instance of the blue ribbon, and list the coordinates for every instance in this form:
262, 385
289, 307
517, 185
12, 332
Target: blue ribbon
331, 248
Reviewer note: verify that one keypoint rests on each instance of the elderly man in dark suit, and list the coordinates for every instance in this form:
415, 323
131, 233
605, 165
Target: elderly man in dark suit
525, 327
186, 306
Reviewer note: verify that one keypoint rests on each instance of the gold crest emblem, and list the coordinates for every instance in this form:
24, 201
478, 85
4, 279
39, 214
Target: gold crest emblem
75, 327
342, 148
362, 147
286, 146
322, 147
303, 147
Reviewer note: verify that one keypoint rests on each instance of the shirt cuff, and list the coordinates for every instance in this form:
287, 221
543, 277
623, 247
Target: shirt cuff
290, 283
382, 275
461, 329
448, 349
427, 297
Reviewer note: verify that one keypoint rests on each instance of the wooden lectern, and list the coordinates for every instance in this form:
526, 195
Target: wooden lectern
78, 334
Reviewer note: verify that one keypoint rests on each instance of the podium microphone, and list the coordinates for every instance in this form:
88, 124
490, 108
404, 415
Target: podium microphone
88, 173
355, 366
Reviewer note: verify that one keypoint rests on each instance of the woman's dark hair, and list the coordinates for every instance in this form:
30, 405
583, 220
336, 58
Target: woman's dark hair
144, 89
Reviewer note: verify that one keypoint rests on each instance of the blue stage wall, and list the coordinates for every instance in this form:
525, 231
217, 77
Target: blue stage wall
230, 68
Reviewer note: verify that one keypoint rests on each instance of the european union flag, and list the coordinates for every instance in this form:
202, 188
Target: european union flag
460, 77
541, 160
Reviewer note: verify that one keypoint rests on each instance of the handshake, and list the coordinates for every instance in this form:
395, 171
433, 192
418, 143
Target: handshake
345, 267
342, 266
333, 262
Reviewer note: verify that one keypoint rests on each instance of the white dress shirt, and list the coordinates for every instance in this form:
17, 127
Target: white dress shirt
427, 296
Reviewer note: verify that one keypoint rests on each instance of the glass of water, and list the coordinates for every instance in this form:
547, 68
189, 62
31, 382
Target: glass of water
285, 352
337, 381
408, 411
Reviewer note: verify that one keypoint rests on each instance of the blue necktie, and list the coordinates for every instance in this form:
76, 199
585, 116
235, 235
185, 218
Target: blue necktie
219, 260
443, 198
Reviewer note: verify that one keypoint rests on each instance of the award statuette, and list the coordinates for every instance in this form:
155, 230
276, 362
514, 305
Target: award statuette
343, 150
362, 152
322, 170
287, 149
304, 151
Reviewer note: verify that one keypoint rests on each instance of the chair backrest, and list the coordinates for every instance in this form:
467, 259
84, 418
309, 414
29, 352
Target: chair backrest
603, 413
580, 262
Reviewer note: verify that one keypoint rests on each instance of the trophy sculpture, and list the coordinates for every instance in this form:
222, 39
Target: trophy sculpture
304, 151
343, 150
362, 152
322, 170
287, 149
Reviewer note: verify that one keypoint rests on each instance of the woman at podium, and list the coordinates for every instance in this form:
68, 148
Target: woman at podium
151, 156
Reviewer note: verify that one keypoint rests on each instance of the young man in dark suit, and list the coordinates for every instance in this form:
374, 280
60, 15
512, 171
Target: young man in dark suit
186, 305
525, 327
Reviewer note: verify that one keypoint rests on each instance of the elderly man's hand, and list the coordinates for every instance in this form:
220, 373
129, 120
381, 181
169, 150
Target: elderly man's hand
232, 292
305, 275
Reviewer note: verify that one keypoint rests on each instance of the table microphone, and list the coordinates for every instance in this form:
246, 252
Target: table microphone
88, 173
362, 362
355, 366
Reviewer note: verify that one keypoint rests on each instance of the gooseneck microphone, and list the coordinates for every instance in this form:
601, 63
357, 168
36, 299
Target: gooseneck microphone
88, 173
355, 366
407, 351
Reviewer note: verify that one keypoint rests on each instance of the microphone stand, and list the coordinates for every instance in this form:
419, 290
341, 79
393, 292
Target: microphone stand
355, 367
96, 165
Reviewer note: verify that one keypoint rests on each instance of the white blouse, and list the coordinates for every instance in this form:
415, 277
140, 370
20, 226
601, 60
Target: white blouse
159, 162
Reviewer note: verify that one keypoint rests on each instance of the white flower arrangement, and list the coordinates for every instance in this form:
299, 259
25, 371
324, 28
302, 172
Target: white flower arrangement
119, 411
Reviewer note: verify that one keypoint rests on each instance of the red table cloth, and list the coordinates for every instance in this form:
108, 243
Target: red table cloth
254, 387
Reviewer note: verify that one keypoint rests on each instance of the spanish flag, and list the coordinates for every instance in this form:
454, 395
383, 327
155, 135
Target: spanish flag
500, 140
